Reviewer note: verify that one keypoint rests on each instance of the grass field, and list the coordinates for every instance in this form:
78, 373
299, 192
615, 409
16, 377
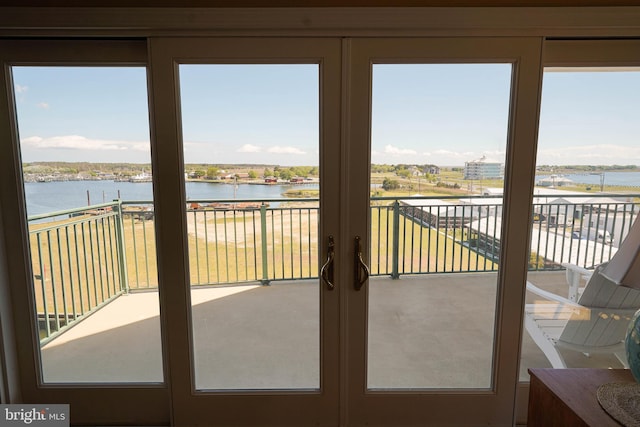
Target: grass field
75, 262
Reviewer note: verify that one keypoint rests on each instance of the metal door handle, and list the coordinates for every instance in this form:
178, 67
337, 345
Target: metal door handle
326, 272
361, 271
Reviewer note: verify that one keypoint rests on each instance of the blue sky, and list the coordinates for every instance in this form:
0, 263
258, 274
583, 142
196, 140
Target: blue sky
250, 113
439, 114
590, 118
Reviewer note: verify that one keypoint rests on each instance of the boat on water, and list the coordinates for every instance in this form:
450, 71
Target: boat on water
554, 181
141, 177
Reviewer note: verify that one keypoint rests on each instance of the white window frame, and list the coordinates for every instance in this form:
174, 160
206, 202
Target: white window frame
579, 23
92, 402
572, 54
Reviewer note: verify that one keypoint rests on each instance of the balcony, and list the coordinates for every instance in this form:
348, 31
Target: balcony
97, 302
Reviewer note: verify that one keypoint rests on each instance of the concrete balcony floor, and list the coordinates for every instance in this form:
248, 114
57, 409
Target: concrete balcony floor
429, 331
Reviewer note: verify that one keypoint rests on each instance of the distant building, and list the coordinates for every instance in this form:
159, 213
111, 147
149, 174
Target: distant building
438, 213
433, 170
415, 171
483, 168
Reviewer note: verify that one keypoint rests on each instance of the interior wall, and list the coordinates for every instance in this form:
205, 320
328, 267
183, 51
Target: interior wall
9, 384
316, 3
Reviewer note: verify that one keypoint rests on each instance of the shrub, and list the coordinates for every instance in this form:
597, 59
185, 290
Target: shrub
390, 184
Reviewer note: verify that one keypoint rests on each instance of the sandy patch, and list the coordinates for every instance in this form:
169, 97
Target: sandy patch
244, 229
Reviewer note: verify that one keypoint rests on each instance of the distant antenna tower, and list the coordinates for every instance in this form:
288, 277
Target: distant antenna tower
601, 180
235, 186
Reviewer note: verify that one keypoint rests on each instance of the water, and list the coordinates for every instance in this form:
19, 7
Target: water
45, 197
628, 179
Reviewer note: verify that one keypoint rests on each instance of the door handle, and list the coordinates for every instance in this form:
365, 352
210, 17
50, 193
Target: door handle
326, 272
361, 271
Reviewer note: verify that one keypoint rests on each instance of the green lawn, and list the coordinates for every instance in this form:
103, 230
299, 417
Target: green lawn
227, 252
420, 249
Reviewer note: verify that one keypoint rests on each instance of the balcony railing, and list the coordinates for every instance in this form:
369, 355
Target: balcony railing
78, 263
82, 258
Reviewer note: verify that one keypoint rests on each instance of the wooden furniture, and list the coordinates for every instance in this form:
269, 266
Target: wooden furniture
567, 397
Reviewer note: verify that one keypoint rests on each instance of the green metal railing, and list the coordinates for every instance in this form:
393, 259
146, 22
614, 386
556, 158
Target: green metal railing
78, 264
230, 241
242, 242
139, 245
83, 258
580, 232
409, 236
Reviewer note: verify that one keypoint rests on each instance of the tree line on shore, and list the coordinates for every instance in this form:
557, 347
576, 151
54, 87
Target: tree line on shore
279, 172
212, 171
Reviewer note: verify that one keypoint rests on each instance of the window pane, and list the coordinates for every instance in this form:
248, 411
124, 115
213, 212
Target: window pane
251, 137
439, 135
584, 204
84, 142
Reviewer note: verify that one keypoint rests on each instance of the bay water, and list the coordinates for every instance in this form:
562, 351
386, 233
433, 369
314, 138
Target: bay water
45, 197
627, 179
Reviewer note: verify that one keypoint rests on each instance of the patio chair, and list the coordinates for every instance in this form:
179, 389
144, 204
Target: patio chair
593, 319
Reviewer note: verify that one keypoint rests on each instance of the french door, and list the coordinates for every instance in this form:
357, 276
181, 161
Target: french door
86, 96
440, 338
374, 314
276, 360
391, 352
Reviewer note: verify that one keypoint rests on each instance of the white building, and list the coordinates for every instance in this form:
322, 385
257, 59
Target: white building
483, 168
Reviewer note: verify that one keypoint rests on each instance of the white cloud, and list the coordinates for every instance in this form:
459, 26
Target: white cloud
596, 154
77, 142
496, 154
285, 150
456, 154
468, 155
390, 149
392, 154
21, 89
248, 148
42, 105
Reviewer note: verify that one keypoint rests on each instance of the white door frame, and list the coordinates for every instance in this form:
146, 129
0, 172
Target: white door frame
509, 23
277, 407
92, 403
494, 406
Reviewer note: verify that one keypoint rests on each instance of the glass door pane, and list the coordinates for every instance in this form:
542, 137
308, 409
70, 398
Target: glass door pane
438, 141
584, 203
254, 329
251, 135
435, 199
84, 142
